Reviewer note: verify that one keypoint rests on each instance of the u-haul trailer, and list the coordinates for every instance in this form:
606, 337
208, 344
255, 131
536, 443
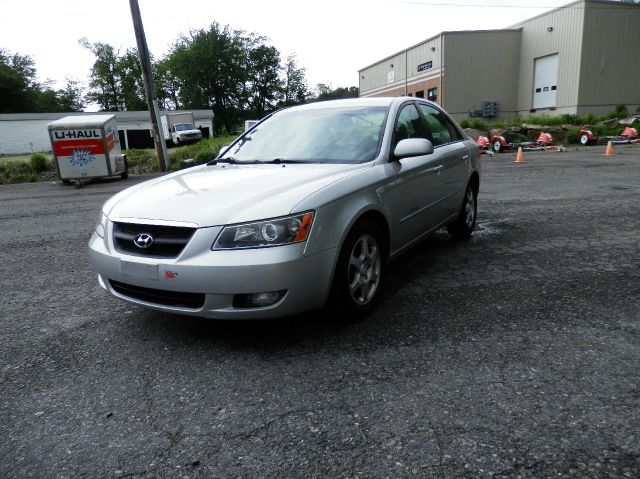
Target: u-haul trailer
86, 147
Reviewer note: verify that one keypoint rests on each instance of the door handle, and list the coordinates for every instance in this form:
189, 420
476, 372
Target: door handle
438, 169
465, 157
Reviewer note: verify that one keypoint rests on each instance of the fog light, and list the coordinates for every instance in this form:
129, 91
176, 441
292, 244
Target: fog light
257, 300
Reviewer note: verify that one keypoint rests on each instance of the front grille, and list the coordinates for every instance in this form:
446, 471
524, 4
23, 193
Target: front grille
159, 296
168, 241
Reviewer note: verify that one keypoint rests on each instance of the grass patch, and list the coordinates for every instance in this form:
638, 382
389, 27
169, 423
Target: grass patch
201, 152
38, 168
146, 161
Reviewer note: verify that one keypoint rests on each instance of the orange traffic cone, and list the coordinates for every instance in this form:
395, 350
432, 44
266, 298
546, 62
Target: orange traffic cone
519, 158
609, 150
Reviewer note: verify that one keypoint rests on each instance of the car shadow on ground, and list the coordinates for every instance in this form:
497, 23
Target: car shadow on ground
316, 327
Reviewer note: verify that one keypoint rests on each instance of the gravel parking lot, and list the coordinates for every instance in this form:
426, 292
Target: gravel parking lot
515, 354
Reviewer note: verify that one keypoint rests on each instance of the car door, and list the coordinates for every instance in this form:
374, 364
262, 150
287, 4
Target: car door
453, 157
411, 192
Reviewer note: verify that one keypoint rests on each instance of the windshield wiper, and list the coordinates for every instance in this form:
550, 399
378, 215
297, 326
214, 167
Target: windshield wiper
278, 161
231, 160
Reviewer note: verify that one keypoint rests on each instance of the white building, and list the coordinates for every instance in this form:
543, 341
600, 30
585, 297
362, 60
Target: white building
27, 132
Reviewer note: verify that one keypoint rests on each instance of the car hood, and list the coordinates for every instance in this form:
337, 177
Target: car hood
224, 194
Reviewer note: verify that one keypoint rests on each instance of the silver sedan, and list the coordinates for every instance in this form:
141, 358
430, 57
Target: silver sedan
303, 210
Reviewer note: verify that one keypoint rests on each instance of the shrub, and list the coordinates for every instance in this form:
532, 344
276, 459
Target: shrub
464, 124
572, 136
16, 171
205, 157
39, 163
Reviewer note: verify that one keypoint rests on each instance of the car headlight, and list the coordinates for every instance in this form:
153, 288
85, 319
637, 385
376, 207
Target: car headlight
273, 232
101, 224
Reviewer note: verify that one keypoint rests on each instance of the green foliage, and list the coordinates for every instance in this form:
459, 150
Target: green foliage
16, 171
220, 81
39, 162
208, 146
325, 92
205, 157
115, 78
294, 88
142, 161
20, 92
572, 136
620, 111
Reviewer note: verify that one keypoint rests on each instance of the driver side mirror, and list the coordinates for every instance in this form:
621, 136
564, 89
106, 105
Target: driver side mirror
413, 147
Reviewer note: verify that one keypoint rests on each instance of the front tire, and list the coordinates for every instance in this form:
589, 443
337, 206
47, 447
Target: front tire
497, 146
462, 227
357, 279
584, 139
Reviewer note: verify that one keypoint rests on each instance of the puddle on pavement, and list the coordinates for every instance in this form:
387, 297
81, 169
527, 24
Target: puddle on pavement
492, 227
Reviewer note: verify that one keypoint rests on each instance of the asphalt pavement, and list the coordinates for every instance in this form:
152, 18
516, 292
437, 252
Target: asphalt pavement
515, 354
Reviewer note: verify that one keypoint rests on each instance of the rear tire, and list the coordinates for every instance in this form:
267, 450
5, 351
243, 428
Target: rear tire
462, 227
584, 139
357, 279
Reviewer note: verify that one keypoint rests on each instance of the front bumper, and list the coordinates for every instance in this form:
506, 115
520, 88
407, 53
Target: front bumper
218, 275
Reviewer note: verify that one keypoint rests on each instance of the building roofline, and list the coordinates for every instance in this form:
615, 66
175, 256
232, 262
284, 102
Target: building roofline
613, 3
514, 27
436, 36
120, 115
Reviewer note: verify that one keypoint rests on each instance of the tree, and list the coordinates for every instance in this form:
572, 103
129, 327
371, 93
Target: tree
70, 97
324, 92
295, 89
17, 82
167, 84
130, 75
115, 79
104, 84
210, 66
20, 92
263, 75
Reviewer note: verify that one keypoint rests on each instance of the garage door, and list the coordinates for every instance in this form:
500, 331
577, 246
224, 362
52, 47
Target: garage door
545, 79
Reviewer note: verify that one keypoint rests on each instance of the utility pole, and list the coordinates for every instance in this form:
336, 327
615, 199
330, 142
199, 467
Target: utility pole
147, 79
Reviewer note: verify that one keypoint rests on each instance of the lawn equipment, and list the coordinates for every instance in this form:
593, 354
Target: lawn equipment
628, 135
485, 145
543, 143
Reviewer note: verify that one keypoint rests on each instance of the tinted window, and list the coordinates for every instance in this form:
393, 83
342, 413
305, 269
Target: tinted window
442, 131
409, 125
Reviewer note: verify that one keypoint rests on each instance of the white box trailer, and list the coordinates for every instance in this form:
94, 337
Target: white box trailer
87, 146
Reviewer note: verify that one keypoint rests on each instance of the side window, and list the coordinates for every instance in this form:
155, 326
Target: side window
442, 130
408, 125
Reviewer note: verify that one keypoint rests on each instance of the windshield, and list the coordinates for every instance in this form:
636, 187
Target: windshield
184, 126
331, 135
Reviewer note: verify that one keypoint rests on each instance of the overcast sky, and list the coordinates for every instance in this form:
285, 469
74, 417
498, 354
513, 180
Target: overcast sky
333, 39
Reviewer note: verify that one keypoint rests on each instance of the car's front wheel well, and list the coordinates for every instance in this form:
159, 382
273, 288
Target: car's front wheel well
474, 182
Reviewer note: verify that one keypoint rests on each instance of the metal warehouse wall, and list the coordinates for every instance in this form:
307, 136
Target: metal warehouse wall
480, 66
376, 75
566, 40
610, 72
374, 79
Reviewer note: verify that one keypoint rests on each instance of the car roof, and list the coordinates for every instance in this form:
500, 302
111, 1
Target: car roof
345, 103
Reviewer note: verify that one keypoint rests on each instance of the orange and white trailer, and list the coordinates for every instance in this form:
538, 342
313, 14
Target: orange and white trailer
86, 147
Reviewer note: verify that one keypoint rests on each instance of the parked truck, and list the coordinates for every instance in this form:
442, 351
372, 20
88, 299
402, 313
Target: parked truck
180, 128
86, 147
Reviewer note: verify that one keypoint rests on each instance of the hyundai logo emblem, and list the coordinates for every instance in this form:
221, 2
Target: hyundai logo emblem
143, 240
